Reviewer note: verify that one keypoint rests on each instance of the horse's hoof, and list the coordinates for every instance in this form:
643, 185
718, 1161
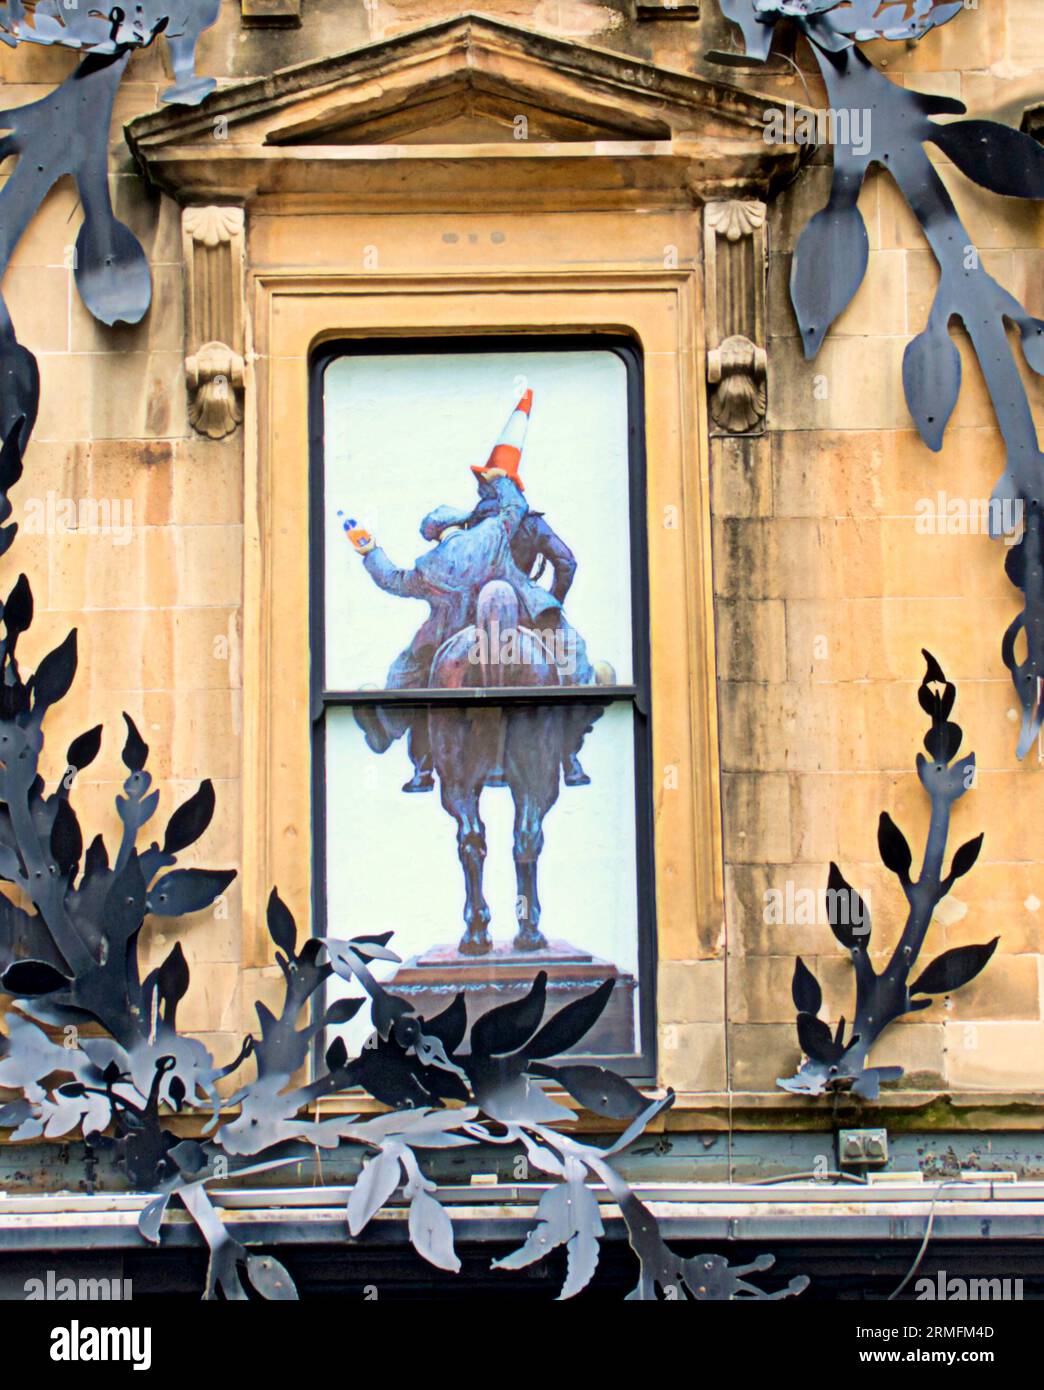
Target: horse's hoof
475, 946
420, 782
574, 774
529, 941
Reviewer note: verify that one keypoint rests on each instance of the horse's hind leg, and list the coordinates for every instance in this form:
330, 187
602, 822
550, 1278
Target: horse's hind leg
527, 902
471, 846
533, 754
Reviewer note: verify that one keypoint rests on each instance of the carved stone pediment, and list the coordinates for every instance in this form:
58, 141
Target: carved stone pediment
476, 106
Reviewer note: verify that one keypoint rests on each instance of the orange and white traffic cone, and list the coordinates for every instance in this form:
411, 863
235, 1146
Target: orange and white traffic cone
507, 452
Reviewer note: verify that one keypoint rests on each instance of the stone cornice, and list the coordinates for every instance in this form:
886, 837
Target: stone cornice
607, 129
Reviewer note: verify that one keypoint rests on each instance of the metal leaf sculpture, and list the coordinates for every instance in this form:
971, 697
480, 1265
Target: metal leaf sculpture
444, 1098
834, 1062
830, 261
67, 132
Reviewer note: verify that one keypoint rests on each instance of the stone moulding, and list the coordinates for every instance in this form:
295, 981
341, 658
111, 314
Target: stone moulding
735, 270
213, 249
604, 130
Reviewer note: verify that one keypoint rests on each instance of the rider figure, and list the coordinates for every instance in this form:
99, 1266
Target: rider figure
500, 539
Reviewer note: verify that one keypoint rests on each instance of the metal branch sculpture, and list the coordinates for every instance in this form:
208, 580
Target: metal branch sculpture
831, 256
67, 132
832, 1061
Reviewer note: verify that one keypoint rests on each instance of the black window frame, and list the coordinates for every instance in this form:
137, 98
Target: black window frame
639, 1066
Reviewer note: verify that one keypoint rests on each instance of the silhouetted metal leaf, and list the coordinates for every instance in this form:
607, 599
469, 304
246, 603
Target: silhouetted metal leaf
932, 381
379, 1178
18, 610
805, 990
84, 749
189, 821
997, 157
151, 1218
964, 858
566, 1215
431, 1232
554, 1227
14, 1113
450, 1025
336, 1055
190, 1156
829, 264
342, 1011
135, 749
66, 838
111, 271
816, 1039
172, 978
281, 925
847, 913
371, 939
187, 890
581, 1261
373, 947
54, 675
597, 1088
565, 1029
953, 969
97, 860
895, 852
510, 1026
270, 1279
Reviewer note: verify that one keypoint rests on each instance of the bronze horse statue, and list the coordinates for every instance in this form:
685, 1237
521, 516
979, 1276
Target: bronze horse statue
522, 747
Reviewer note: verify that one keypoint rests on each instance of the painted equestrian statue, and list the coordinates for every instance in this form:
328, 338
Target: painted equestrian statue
490, 624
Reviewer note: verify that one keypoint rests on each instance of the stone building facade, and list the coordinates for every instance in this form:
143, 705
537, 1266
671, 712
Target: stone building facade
358, 172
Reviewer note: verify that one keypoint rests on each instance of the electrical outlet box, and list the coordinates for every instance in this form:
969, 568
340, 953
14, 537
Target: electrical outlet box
862, 1148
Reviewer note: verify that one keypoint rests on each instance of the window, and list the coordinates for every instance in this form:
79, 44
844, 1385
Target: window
480, 677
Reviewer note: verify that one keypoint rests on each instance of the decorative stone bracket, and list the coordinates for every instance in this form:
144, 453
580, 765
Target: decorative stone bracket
735, 270
213, 246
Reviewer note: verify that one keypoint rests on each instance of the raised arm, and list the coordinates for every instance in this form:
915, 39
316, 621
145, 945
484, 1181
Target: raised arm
401, 583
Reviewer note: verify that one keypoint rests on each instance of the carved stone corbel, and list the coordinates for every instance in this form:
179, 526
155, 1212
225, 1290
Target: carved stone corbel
212, 241
735, 271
